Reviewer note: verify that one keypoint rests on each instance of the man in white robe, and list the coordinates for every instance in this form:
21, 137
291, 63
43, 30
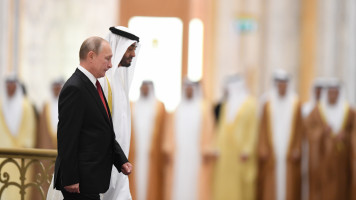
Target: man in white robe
236, 166
329, 130
186, 142
148, 114
315, 96
279, 143
116, 85
188, 122
307, 108
47, 134
17, 130
17, 117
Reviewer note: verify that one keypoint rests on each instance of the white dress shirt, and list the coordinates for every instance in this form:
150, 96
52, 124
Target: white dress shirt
88, 74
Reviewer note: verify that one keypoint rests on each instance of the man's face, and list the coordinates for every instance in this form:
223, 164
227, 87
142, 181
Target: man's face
56, 89
333, 94
282, 88
145, 90
128, 56
317, 92
11, 88
102, 61
226, 94
189, 91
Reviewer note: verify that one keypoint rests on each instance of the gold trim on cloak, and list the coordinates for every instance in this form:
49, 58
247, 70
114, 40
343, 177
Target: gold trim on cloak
339, 145
230, 125
345, 117
109, 95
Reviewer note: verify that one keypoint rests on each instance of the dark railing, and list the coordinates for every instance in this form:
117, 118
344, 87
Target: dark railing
27, 171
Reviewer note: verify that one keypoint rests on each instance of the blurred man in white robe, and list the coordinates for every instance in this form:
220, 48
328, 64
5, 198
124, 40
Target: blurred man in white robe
329, 130
17, 118
47, 135
307, 108
47, 129
236, 166
279, 143
187, 142
148, 115
17, 130
315, 97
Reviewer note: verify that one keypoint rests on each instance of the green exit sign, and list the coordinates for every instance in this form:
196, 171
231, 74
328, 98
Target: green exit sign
245, 24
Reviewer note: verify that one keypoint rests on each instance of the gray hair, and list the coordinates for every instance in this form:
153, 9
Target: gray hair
91, 44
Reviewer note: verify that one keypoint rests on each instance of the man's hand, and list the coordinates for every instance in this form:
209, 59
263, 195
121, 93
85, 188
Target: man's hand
341, 136
126, 168
167, 158
263, 156
296, 155
327, 131
244, 157
72, 188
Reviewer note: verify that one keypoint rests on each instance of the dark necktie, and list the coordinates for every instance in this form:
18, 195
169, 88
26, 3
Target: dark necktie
98, 87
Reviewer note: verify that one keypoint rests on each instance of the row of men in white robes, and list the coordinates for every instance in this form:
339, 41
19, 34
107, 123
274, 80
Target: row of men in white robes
280, 150
284, 150
20, 127
302, 151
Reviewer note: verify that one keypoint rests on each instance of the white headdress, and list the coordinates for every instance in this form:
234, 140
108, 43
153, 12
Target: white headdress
309, 106
334, 113
237, 94
151, 93
12, 106
197, 91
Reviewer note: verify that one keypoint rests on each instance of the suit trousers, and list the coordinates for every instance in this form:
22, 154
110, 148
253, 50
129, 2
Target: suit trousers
79, 196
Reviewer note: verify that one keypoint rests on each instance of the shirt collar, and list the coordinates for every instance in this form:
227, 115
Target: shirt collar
88, 74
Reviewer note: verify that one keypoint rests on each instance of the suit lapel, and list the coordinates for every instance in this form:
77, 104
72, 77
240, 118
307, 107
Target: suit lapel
93, 91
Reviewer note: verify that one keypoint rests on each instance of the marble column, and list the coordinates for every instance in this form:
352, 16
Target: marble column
337, 44
281, 39
227, 43
4, 36
350, 58
250, 43
309, 27
9, 24
237, 51
326, 51
348, 44
51, 35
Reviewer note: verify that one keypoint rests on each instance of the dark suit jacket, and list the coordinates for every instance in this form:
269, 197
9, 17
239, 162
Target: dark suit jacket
87, 148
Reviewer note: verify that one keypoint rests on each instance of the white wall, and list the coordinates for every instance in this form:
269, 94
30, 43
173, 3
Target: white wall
50, 37
281, 39
4, 15
336, 51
